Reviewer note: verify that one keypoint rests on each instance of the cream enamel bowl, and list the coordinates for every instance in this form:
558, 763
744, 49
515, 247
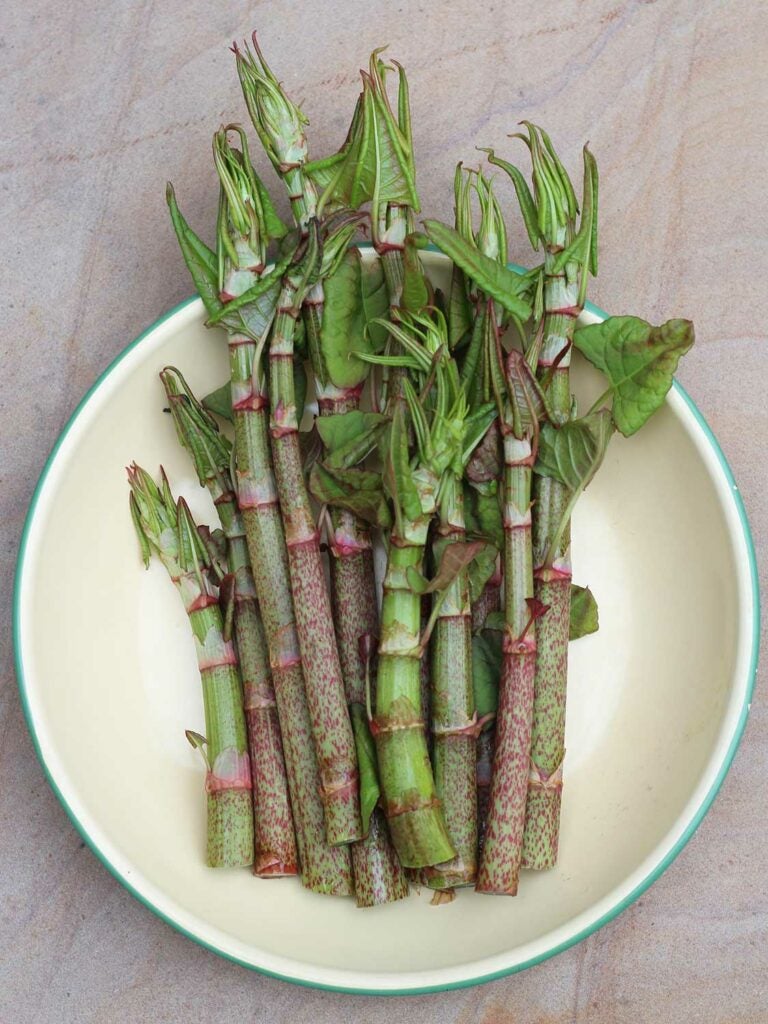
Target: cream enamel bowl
657, 701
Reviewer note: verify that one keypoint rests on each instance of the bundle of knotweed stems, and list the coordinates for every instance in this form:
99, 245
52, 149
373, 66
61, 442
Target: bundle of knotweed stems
364, 733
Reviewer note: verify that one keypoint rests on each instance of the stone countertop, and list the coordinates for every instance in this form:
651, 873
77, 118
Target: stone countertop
102, 104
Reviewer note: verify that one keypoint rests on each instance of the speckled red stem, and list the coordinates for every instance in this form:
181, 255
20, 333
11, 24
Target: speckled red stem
552, 587
275, 844
502, 851
323, 868
331, 727
379, 876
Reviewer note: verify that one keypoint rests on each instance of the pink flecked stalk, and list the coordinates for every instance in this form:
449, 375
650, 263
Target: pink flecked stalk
502, 849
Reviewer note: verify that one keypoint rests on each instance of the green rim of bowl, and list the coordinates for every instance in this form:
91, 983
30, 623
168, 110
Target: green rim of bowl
423, 989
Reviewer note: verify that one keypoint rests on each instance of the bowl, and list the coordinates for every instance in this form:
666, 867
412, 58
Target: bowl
657, 699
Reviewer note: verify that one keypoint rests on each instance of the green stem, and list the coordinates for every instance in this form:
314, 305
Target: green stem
453, 705
502, 852
331, 728
410, 800
228, 783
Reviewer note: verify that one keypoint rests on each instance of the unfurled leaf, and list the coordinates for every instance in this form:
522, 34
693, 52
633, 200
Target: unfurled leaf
459, 311
220, 402
584, 616
639, 361
299, 386
366, 763
342, 334
356, 490
494, 621
375, 298
416, 291
488, 512
497, 281
454, 559
481, 570
355, 296
485, 463
486, 671
349, 437
573, 452
201, 261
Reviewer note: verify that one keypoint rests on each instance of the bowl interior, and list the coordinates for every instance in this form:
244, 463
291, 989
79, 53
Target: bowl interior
111, 684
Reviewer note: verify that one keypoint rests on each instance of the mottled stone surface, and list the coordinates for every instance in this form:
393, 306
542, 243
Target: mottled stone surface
102, 103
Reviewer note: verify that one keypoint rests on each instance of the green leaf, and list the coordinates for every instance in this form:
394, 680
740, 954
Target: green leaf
481, 570
488, 511
584, 617
573, 452
459, 311
375, 300
220, 402
485, 463
486, 671
495, 622
356, 490
416, 293
454, 559
299, 386
639, 361
349, 437
201, 261
497, 281
342, 332
366, 763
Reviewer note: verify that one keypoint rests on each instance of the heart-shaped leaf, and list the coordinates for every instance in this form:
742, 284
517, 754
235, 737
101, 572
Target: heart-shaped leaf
639, 361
